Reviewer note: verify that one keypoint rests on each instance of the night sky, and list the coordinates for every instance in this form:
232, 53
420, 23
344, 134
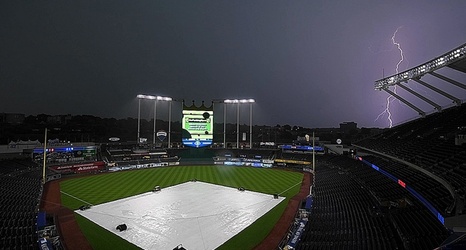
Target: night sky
307, 63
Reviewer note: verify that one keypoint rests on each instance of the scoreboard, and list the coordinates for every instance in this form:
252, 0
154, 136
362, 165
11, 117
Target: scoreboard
197, 126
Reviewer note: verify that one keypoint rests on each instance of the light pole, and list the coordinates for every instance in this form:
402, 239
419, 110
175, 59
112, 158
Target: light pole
250, 101
169, 123
224, 118
155, 98
237, 125
250, 125
224, 126
44, 179
313, 159
155, 119
238, 102
139, 116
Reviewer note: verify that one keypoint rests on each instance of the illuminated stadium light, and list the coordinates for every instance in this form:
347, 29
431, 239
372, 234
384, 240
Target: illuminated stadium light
417, 72
151, 97
246, 101
163, 98
156, 98
238, 102
230, 101
454, 59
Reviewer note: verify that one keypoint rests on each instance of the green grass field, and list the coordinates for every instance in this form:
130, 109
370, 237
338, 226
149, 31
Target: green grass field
102, 188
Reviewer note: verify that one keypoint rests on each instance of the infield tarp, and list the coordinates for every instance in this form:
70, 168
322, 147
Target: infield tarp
196, 214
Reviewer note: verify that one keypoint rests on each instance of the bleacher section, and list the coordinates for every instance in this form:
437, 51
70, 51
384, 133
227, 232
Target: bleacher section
430, 144
297, 157
21, 189
435, 193
123, 153
356, 207
245, 157
247, 153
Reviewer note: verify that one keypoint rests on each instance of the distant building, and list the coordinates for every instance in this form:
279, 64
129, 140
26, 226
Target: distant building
58, 119
347, 127
12, 118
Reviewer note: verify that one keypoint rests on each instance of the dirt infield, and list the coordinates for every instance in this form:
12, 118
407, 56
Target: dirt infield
280, 229
73, 238
70, 234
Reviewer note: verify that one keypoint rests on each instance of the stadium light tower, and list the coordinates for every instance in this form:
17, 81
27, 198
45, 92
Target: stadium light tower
224, 126
238, 102
156, 99
454, 59
169, 123
139, 116
44, 179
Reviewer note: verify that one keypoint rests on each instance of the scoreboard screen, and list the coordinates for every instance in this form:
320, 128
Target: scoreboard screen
197, 127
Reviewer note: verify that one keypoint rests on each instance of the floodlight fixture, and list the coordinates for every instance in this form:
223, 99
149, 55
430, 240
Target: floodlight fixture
246, 101
453, 56
156, 98
163, 98
230, 101
454, 59
238, 102
151, 97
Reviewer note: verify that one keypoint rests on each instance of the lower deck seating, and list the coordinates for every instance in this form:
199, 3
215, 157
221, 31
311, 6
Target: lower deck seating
356, 207
21, 191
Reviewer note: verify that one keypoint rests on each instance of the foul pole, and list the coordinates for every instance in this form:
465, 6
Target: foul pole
45, 157
313, 160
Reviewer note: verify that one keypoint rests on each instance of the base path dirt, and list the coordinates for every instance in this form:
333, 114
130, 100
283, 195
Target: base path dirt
73, 238
281, 228
70, 234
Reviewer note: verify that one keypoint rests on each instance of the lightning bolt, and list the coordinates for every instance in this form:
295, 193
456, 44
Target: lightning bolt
390, 97
399, 48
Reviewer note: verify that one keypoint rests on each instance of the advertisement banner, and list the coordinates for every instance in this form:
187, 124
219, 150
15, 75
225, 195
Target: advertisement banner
89, 169
297, 233
80, 168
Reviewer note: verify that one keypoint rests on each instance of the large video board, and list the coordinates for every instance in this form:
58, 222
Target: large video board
198, 127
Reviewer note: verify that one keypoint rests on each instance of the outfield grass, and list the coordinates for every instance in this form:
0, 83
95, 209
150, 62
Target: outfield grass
103, 188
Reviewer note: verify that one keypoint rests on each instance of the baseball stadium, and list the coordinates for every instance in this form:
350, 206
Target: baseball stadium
200, 182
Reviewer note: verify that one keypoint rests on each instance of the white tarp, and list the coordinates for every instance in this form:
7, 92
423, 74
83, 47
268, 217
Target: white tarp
197, 215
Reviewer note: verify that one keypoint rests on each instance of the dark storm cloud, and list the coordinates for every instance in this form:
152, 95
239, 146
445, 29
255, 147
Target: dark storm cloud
309, 63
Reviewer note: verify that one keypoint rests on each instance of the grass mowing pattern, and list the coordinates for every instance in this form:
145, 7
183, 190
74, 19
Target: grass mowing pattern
103, 188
